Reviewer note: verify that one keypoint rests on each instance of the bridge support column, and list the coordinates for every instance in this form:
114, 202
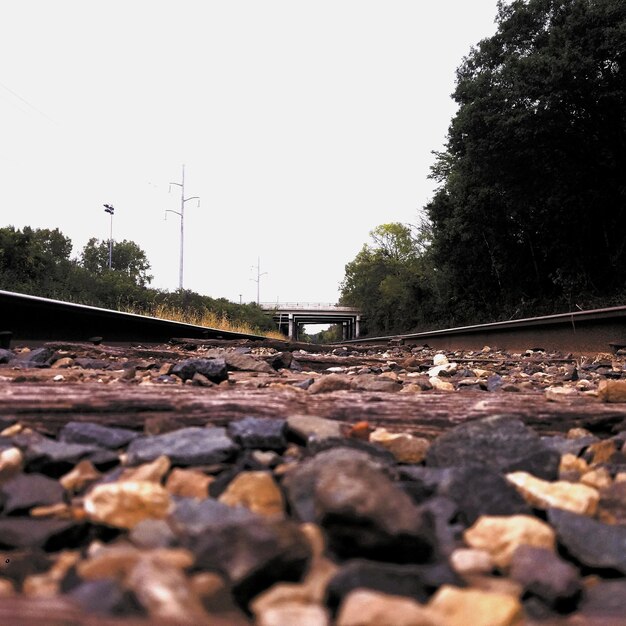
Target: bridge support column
344, 331
292, 328
357, 327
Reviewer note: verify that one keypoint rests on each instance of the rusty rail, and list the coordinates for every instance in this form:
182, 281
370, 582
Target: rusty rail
598, 330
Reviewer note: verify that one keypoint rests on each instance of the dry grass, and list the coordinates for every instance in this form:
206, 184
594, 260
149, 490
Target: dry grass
204, 318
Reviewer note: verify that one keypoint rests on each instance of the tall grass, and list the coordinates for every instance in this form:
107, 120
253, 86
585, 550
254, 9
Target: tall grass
203, 317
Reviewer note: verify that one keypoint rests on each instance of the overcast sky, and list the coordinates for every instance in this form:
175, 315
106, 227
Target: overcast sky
302, 126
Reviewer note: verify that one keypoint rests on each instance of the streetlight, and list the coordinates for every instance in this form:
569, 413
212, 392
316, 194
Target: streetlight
110, 210
181, 214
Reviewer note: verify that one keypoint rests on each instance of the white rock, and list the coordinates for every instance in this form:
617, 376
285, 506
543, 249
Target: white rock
440, 359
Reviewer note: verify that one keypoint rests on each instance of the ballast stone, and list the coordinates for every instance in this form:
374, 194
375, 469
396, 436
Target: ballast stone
187, 446
214, 369
501, 443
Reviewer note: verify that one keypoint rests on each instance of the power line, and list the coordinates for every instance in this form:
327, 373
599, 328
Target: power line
27, 103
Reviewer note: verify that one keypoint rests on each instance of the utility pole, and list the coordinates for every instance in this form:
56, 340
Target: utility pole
258, 279
110, 210
181, 214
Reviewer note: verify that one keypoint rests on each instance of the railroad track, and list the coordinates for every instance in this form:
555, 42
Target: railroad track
35, 319
599, 330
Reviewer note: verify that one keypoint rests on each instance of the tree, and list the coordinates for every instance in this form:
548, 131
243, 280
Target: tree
127, 258
531, 206
385, 278
33, 256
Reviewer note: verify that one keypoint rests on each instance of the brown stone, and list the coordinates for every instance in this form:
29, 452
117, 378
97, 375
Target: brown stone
294, 613
360, 430
188, 483
578, 433
560, 394
7, 588
599, 478
440, 385
47, 585
166, 594
331, 382
561, 494
602, 451
363, 607
63, 363
571, 464
118, 560
153, 471
126, 503
500, 536
80, 476
11, 461
404, 447
613, 503
471, 561
257, 491
461, 607
612, 390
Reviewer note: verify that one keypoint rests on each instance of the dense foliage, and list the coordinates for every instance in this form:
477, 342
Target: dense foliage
38, 262
530, 212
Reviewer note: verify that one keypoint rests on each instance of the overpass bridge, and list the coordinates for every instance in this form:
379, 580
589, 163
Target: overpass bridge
291, 315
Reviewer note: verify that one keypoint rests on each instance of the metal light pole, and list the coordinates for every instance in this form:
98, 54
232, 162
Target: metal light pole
258, 279
110, 210
181, 214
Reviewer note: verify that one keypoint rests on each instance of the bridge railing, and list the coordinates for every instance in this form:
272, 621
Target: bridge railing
302, 305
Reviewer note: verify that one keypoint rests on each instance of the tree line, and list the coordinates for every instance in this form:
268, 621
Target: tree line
38, 261
529, 213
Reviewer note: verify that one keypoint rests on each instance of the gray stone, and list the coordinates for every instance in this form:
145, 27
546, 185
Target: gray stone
49, 534
25, 491
195, 517
51, 457
300, 483
360, 509
475, 490
501, 443
106, 597
414, 581
39, 357
447, 527
214, 369
6, 356
563, 445
479, 491
152, 533
90, 433
593, 543
253, 552
494, 382
546, 575
92, 364
315, 445
613, 502
262, 433
187, 446
280, 360
607, 598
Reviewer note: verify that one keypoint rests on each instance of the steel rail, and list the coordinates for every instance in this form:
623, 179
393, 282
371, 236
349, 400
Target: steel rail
598, 330
32, 318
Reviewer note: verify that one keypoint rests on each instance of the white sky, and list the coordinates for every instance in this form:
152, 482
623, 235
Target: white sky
302, 126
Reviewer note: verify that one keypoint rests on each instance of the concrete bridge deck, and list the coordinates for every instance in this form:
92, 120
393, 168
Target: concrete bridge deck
291, 315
